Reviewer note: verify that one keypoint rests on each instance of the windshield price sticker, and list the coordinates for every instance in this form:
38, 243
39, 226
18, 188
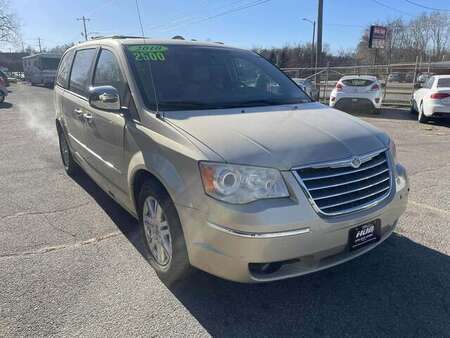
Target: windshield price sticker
149, 52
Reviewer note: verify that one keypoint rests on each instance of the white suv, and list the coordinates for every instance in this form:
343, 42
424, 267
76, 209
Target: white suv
357, 93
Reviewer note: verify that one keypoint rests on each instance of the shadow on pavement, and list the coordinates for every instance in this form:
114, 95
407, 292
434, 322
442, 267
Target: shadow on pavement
126, 223
401, 288
5, 105
403, 114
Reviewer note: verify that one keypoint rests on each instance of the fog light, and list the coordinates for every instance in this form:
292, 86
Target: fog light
377, 99
332, 98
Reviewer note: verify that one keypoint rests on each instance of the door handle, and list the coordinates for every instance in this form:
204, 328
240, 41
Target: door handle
88, 117
78, 111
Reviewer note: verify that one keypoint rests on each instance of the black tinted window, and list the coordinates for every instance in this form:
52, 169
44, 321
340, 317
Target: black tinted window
357, 82
196, 77
445, 82
49, 63
108, 73
64, 70
79, 78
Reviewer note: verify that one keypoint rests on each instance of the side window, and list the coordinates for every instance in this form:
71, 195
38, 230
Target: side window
64, 70
79, 78
429, 83
108, 73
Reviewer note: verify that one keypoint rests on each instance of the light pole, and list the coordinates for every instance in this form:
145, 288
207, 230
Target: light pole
313, 37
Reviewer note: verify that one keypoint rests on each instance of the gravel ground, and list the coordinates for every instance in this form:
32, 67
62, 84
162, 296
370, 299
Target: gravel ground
71, 264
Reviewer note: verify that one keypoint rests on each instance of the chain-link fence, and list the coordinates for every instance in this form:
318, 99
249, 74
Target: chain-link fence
398, 80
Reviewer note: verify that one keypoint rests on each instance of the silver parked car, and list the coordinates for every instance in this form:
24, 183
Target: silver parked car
228, 166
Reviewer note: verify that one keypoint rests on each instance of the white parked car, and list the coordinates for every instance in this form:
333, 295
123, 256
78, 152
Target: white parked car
357, 93
433, 99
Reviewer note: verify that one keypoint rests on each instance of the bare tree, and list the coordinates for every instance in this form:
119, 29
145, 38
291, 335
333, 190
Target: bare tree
9, 24
439, 33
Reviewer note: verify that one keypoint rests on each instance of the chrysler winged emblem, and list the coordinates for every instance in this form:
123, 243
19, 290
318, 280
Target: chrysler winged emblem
356, 162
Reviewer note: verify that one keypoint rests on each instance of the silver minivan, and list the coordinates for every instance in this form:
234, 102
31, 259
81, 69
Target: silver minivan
227, 164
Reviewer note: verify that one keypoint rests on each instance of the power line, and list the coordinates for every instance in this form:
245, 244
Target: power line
190, 18
233, 10
345, 25
426, 7
392, 8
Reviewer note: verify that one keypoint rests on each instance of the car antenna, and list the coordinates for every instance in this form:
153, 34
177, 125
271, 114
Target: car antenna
158, 113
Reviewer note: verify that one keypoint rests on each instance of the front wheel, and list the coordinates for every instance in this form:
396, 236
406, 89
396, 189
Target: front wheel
164, 243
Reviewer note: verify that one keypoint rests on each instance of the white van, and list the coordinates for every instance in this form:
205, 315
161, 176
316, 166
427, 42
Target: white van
41, 68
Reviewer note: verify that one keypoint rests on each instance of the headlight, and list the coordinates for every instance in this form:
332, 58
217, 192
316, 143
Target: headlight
393, 150
241, 184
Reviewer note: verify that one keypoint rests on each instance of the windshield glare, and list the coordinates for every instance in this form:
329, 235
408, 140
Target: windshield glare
197, 77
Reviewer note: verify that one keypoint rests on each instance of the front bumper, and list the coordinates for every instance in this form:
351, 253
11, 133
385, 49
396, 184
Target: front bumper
228, 241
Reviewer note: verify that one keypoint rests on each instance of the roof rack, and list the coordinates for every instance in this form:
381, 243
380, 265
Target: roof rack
117, 37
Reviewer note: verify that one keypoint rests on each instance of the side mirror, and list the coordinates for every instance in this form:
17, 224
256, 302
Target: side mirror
417, 85
104, 98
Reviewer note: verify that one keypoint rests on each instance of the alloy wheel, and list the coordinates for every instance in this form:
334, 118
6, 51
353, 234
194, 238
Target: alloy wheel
157, 233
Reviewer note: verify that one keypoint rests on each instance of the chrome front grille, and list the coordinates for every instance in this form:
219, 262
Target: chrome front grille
347, 186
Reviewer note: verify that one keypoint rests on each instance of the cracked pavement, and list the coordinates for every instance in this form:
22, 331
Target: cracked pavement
71, 264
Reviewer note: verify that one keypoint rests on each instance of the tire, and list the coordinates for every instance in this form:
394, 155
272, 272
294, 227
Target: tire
413, 110
421, 117
70, 166
177, 267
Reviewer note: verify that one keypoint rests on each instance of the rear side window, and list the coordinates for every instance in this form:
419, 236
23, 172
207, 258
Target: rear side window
108, 73
429, 83
443, 82
357, 82
79, 78
64, 70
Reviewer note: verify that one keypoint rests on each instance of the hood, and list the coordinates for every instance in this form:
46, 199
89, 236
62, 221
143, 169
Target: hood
281, 137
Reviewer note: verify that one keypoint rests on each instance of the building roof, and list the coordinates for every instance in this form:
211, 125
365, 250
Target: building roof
48, 55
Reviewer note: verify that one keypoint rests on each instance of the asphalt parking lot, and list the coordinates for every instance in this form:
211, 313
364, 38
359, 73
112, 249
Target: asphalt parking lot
70, 261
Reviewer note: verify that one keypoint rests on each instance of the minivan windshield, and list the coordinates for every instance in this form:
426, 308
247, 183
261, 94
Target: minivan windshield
187, 77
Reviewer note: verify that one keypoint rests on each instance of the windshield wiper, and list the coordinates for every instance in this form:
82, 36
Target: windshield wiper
186, 105
268, 102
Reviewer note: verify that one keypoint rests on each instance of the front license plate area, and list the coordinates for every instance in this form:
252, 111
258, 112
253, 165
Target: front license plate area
364, 234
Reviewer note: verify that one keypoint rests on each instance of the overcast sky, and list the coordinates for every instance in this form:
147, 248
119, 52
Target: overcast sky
269, 23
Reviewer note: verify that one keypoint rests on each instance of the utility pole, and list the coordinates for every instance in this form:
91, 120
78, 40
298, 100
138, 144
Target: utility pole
84, 19
40, 47
313, 37
319, 33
